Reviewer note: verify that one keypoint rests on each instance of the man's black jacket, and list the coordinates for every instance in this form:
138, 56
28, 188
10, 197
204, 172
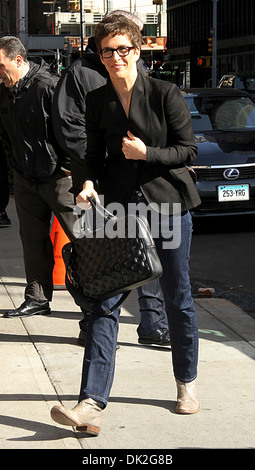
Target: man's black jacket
25, 116
69, 107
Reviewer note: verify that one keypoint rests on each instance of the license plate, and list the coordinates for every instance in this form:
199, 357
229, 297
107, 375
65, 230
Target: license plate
232, 192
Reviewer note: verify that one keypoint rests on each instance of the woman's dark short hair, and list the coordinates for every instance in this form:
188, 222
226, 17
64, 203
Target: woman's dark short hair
118, 24
13, 47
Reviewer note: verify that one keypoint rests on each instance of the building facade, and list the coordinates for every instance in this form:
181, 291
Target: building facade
57, 27
177, 31
189, 27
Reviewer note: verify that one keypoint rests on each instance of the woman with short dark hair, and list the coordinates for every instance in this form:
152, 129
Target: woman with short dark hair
144, 127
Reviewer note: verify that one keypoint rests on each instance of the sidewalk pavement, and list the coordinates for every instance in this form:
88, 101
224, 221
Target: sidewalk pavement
41, 366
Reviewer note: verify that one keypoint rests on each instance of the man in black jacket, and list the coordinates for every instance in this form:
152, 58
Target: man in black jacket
84, 75
4, 187
41, 181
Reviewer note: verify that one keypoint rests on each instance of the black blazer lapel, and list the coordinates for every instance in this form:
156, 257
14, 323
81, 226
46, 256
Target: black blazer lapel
139, 122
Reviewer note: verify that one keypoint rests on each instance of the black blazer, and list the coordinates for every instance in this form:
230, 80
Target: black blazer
160, 117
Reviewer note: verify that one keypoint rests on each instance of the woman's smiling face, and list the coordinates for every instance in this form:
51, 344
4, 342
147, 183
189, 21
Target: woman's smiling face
117, 66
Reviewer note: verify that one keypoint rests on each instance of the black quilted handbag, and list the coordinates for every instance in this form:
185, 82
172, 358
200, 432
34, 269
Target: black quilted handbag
99, 267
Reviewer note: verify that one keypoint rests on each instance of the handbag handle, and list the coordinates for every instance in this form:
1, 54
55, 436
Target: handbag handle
101, 209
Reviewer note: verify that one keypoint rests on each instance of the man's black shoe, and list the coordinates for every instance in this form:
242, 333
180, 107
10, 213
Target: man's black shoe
160, 337
28, 308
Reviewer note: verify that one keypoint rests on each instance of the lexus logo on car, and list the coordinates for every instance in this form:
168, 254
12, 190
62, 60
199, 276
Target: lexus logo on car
231, 173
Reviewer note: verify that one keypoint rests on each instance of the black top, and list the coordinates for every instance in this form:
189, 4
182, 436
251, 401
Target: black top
160, 117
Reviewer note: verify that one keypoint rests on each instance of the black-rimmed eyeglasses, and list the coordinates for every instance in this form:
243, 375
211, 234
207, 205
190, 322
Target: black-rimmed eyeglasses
122, 51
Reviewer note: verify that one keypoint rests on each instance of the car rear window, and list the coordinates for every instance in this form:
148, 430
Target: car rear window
221, 113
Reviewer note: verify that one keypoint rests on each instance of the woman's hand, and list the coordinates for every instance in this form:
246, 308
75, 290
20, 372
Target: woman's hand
88, 191
133, 147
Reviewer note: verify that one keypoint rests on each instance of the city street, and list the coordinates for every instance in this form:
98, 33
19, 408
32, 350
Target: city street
166, 69
223, 258
41, 367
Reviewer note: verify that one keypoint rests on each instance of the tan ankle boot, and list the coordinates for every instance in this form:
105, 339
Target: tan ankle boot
86, 416
187, 398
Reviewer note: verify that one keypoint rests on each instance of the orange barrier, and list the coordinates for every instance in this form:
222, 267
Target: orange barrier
58, 240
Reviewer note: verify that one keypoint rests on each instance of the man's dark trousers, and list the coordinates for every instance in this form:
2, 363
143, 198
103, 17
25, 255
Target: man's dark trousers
36, 200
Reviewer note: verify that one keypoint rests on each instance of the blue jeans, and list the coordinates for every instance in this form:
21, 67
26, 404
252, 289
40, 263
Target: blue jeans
175, 284
151, 307
100, 351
